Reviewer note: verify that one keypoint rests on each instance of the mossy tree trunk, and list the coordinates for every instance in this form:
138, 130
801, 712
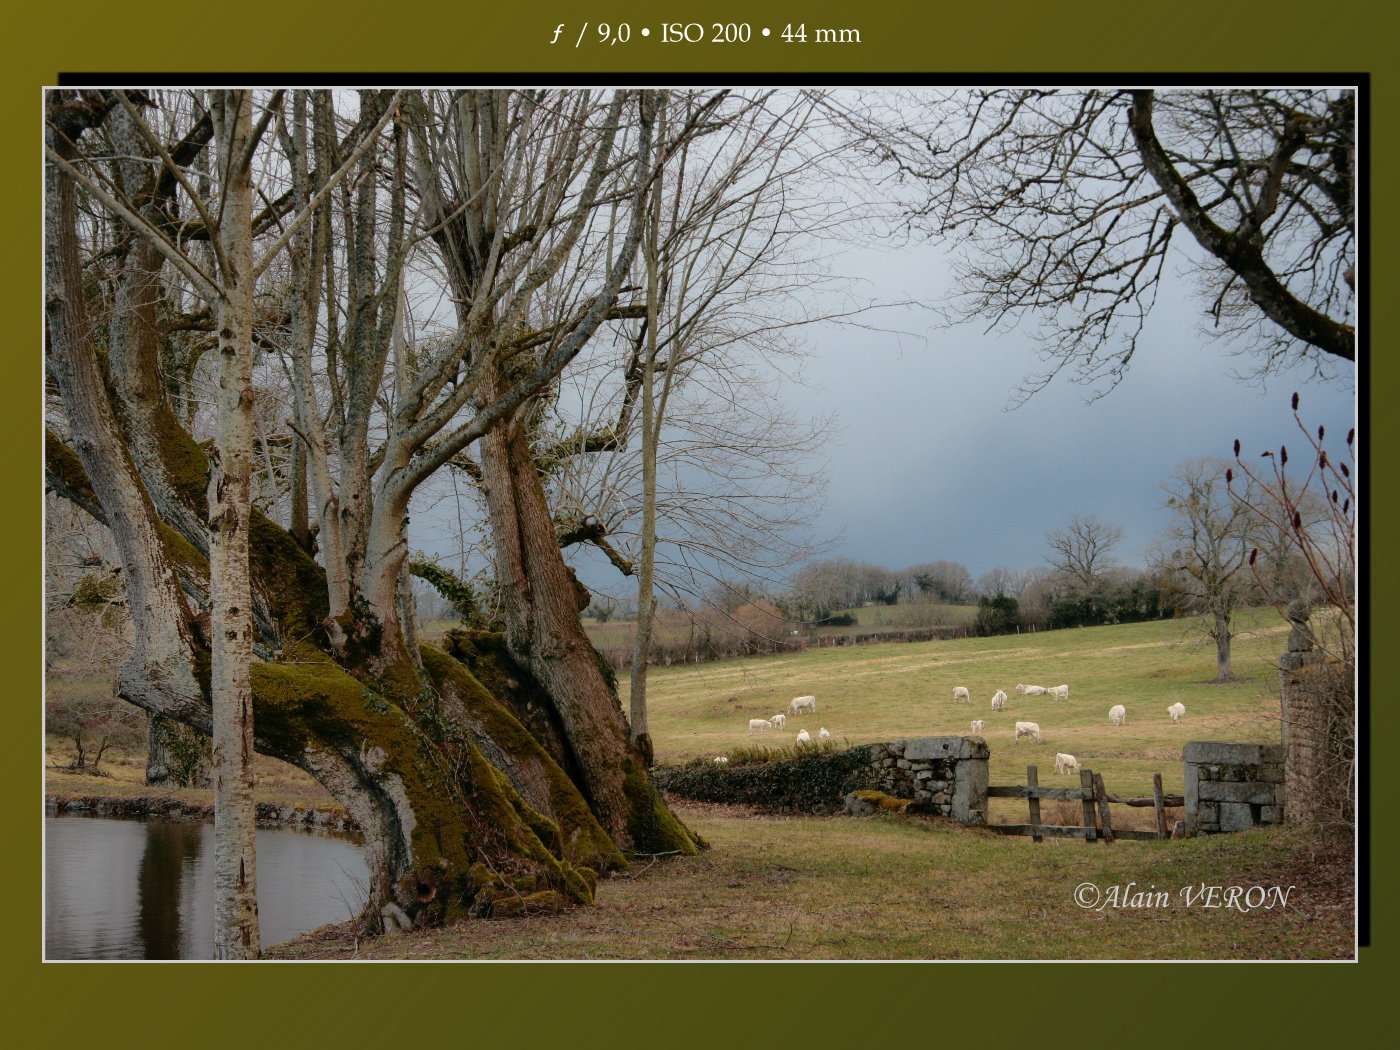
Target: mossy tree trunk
542, 602
441, 777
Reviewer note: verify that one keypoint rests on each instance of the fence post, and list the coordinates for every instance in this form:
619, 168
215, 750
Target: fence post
1101, 793
1033, 780
1162, 832
1086, 782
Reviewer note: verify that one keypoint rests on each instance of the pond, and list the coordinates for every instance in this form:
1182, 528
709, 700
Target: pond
137, 889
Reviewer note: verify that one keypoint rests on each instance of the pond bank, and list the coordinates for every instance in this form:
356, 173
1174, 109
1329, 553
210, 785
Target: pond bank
165, 807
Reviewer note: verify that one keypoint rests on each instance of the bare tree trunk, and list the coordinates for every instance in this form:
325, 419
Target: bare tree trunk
544, 632
1223, 671
230, 490
646, 611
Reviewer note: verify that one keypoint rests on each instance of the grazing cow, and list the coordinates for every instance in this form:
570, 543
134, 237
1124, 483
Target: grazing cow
977, 725
802, 703
1066, 764
1177, 711
1059, 692
761, 724
960, 693
998, 701
1027, 729
1118, 715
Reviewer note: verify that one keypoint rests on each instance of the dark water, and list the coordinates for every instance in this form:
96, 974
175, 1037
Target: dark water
136, 889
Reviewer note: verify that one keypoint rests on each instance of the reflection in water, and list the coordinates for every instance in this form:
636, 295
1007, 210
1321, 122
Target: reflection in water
169, 848
133, 889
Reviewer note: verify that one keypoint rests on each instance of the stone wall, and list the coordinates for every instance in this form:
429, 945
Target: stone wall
941, 775
1232, 787
1302, 680
944, 775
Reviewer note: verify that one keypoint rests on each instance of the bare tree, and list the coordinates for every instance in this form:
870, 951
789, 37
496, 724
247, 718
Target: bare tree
1002, 580
1072, 201
1082, 553
1326, 541
513, 191
941, 581
1319, 671
1206, 548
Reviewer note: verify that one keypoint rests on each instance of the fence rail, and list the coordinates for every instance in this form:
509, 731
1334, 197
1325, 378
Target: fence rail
1090, 793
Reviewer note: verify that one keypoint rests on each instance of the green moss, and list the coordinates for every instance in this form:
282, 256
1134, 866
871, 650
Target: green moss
182, 552
650, 822
318, 706
450, 586
64, 464
510, 906
186, 465
573, 820
294, 585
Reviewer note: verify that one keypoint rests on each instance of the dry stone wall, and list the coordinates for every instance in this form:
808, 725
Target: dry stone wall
1232, 787
944, 775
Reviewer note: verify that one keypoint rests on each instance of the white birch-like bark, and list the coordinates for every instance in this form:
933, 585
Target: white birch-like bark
640, 733
230, 490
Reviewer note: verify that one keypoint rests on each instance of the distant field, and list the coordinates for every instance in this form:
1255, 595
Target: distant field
621, 633
897, 616
880, 692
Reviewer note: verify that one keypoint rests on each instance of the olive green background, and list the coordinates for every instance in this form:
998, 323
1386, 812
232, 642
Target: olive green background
665, 1004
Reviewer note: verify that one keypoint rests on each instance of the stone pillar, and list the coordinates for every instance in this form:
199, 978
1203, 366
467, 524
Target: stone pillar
1300, 719
1232, 787
945, 775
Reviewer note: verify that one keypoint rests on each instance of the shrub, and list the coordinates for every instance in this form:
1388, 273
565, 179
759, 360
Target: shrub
803, 777
999, 615
95, 724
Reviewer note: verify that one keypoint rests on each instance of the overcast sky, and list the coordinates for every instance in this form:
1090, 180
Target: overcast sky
930, 466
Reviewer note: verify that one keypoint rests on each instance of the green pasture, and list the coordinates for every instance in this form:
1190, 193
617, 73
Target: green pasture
880, 692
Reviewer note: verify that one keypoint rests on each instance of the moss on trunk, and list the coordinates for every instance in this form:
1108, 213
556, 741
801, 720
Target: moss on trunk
449, 807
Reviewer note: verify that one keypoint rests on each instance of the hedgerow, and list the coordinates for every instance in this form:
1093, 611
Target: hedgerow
814, 777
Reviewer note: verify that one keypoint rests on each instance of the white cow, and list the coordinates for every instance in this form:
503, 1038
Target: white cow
1177, 711
960, 693
1066, 764
1033, 690
1060, 692
802, 703
720, 760
823, 735
999, 701
803, 738
778, 721
1118, 715
977, 725
1027, 729
761, 724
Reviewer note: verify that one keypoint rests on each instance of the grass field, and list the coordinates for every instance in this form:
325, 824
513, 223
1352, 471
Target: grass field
881, 692
802, 887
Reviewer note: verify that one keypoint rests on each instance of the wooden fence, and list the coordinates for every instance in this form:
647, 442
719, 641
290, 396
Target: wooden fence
1089, 793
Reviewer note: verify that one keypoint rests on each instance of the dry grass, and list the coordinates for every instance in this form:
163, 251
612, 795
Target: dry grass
798, 887
275, 781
